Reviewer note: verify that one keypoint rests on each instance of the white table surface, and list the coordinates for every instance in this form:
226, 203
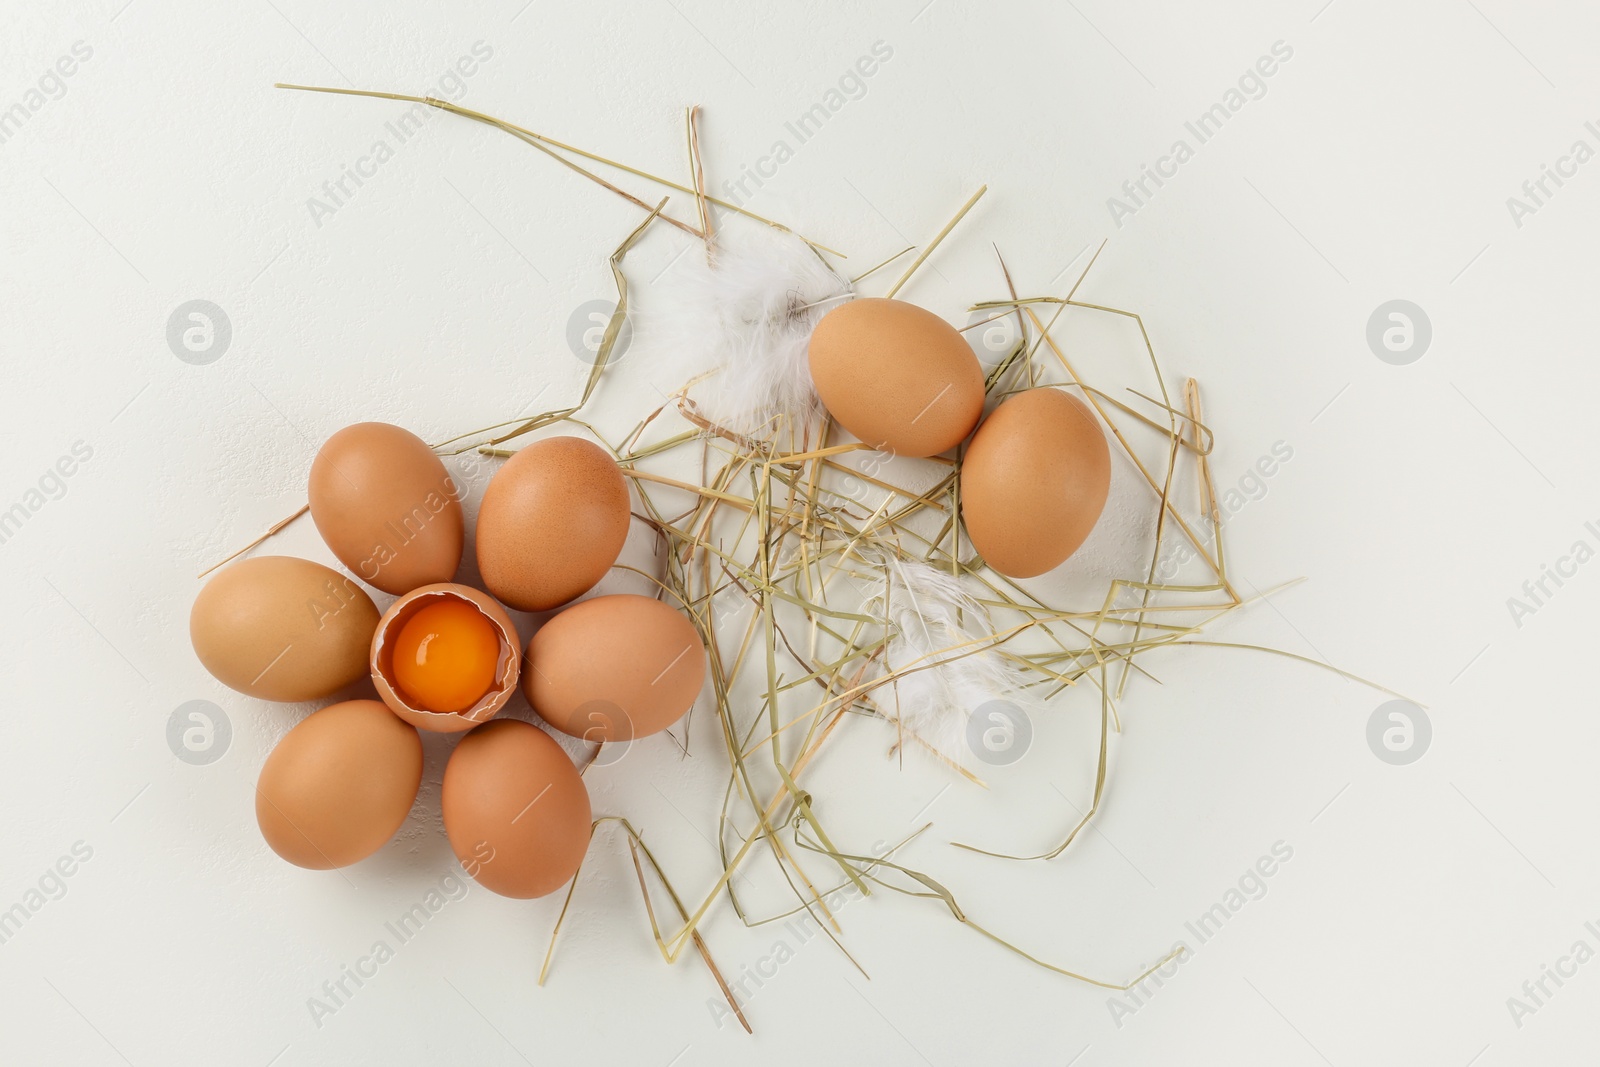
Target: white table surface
1375, 165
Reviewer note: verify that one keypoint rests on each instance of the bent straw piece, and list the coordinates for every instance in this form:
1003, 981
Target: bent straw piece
634, 846
1127, 448
533, 142
608, 340
1324, 664
1208, 488
1183, 415
698, 175
937, 891
1162, 511
1094, 805
479, 116
887, 853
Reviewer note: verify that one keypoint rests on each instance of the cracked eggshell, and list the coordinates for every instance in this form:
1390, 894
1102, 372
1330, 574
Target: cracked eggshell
382, 658
282, 628
386, 507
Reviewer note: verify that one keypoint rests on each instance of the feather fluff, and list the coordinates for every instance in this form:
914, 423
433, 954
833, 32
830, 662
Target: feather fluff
746, 318
928, 614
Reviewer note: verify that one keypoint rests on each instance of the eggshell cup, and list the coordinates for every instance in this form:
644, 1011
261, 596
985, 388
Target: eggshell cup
507, 668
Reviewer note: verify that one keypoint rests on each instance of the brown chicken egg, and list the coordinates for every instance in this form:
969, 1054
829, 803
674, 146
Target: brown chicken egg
615, 668
897, 376
338, 785
282, 628
552, 522
386, 507
445, 657
1034, 481
515, 809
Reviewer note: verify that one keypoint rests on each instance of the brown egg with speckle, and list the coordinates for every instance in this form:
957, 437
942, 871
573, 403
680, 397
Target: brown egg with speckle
897, 376
615, 668
1034, 481
339, 785
282, 628
386, 507
515, 809
552, 522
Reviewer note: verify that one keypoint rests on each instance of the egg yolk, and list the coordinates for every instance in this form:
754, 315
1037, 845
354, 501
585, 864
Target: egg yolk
445, 657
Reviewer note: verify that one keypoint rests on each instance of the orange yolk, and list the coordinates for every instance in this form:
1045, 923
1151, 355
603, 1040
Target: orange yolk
445, 657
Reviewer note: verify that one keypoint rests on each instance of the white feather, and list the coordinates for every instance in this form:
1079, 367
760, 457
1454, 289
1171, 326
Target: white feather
929, 614
747, 318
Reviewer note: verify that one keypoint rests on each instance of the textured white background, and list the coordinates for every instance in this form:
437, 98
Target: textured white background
1419, 498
